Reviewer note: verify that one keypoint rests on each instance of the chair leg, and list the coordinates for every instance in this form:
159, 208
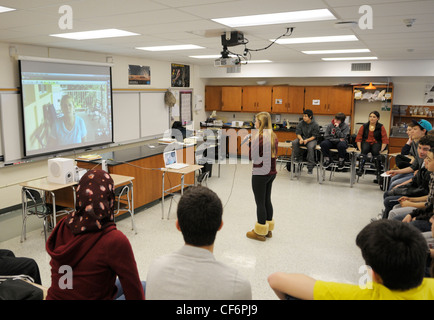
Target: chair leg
45, 228
23, 229
130, 209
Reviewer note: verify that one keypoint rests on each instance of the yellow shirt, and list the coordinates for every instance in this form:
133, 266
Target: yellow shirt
342, 291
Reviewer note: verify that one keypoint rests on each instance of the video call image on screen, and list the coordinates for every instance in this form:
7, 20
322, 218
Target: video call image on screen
65, 106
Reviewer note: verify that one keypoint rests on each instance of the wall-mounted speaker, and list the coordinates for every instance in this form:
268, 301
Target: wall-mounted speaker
61, 170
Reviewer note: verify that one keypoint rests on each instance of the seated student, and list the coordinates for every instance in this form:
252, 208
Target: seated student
87, 242
417, 187
371, 138
396, 254
335, 136
414, 187
407, 155
420, 217
408, 204
420, 130
193, 273
307, 133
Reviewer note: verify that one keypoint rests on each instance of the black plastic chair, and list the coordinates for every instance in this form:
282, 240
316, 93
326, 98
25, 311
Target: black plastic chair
34, 204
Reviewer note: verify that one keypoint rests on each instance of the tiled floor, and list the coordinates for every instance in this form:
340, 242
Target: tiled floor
316, 227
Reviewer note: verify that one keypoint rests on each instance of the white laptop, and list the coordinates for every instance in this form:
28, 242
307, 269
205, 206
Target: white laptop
171, 161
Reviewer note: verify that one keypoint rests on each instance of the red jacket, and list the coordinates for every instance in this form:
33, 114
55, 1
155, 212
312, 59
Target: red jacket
96, 259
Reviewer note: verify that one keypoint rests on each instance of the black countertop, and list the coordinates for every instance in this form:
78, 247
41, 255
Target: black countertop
131, 154
246, 127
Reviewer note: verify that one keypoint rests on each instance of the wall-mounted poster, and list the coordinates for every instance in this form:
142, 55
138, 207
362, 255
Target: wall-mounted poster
180, 75
139, 74
429, 94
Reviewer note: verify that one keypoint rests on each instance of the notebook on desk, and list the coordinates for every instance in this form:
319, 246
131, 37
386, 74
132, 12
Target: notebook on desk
171, 160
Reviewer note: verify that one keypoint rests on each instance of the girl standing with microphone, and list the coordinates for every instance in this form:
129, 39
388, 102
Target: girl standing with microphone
263, 153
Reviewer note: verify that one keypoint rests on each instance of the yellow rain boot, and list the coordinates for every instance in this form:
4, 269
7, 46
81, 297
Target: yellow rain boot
270, 228
259, 232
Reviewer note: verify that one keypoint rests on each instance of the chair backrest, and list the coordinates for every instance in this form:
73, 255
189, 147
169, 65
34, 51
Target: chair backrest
33, 196
119, 191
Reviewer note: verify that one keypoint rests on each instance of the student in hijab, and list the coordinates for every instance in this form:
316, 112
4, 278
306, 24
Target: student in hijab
87, 252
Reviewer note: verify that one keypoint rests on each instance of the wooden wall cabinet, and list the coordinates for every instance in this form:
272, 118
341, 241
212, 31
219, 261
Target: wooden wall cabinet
257, 98
322, 100
328, 100
232, 98
213, 98
287, 99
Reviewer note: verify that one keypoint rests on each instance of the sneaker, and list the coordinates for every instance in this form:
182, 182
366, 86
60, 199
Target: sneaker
341, 165
378, 217
327, 163
310, 171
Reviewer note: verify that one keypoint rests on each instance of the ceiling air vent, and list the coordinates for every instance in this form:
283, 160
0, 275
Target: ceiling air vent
360, 67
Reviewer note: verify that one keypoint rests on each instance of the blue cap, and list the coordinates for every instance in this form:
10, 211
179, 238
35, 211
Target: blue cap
423, 124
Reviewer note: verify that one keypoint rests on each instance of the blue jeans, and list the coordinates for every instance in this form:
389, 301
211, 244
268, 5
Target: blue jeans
120, 294
400, 178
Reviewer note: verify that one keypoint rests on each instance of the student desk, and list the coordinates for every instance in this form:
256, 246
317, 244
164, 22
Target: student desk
61, 189
45, 186
182, 172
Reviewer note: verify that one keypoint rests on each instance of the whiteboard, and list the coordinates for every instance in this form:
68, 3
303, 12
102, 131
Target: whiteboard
154, 114
11, 126
126, 119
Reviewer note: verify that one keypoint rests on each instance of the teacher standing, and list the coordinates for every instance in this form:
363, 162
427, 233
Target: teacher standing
263, 153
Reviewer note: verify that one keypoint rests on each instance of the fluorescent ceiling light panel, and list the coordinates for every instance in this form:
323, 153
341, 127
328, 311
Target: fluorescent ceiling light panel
336, 51
6, 9
171, 48
95, 34
277, 18
316, 39
207, 56
258, 61
349, 58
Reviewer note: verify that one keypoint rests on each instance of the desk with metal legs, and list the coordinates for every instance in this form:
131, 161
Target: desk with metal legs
353, 158
189, 169
45, 186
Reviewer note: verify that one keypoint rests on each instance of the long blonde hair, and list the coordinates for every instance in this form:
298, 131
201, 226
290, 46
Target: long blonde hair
264, 119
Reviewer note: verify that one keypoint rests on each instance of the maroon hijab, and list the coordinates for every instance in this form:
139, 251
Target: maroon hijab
94, 209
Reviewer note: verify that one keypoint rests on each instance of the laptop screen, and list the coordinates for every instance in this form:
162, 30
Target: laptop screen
169, 158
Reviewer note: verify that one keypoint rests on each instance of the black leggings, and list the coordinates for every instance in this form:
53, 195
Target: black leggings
373, 148
261, 186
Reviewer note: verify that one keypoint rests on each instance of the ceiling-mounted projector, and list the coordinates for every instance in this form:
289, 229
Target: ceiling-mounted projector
227, 62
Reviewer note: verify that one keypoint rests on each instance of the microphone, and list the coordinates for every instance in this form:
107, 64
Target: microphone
246, 138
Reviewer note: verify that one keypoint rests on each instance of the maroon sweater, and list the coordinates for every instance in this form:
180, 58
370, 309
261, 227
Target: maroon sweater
96, 259
261, 155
